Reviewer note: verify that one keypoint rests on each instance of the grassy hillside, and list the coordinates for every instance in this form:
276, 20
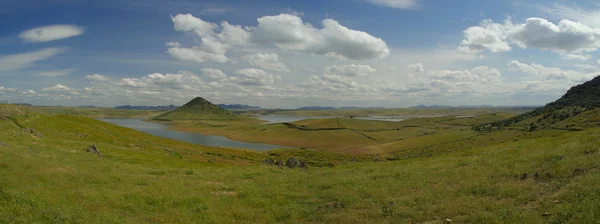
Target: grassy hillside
199, 109
346, 135
48, 178
96, 112
577, 109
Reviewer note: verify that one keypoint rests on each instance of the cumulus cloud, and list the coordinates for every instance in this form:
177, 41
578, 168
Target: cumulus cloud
214, 73
551, 73
254, 77
50, 33
487, 36
416, 68
567, 37
400, 4
482, 74
352, 70
18, 61
6, 89
289, 32
184, 80
29, 92
97, 77
285, 31
197, 54
269, 61
61, 89
57, 87
215, 39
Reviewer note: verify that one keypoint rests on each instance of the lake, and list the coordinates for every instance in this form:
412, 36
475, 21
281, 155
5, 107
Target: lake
163, 130
272, 119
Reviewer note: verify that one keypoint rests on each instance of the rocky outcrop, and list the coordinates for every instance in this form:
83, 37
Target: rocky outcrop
93, 149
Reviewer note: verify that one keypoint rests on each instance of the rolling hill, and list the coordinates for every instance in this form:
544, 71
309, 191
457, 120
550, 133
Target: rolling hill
199, 109
577, 109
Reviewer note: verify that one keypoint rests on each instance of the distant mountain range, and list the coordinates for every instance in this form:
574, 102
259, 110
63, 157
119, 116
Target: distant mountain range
237, 106
334, 108
173, 107
444, 106
129, 107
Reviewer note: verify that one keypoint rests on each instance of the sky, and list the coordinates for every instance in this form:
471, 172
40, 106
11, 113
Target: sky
291, 53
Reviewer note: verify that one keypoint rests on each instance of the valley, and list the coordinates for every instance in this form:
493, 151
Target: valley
465, 166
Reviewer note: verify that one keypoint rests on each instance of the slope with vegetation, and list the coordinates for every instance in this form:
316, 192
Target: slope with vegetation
50, 178
577, 109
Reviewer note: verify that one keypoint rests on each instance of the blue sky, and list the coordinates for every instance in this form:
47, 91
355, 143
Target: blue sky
286, 54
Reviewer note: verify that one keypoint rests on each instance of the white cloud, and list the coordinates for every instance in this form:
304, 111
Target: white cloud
29, 92
254, 77
50, 33
57, 87
197, 54
566, 37
61, 90
285, 31
18, 61
269, 61
6, 89
182, 81
214, 73
481, 74
63, 72
550, 73
580, 57
416, 68
400, 4
215, 39
487, 36
352, 70
97, 78
289, 32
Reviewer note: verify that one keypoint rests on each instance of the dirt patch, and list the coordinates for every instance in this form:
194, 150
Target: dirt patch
224, 193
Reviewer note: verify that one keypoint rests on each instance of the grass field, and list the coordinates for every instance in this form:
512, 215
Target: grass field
49, 178
97, 112
346, 135
389, 112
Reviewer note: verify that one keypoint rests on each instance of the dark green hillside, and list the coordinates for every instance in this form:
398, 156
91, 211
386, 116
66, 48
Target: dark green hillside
578, 108
199, 109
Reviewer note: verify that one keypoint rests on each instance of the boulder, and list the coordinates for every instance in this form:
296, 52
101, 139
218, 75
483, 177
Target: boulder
279, 163
269, 162
93, 149
292, 163
302, 164
578, 171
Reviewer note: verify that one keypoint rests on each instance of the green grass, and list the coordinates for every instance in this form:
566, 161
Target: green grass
147, 179
96, 112
51, 180
391, 112
346, 135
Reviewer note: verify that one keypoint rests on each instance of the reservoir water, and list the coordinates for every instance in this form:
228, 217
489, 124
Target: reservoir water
163, 130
